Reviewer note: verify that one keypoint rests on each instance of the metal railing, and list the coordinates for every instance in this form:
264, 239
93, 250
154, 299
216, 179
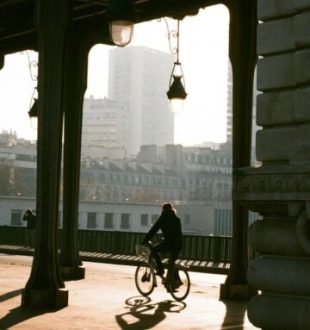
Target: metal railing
208, 248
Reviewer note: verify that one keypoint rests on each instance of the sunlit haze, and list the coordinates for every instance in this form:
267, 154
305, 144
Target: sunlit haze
204, 58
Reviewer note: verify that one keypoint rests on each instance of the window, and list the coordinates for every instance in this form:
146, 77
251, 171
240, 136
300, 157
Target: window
91, 220
16, 218
125, 221
154, 218
108, 220
144, 220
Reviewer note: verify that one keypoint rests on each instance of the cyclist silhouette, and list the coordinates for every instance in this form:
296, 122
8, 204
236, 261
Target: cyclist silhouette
170, 225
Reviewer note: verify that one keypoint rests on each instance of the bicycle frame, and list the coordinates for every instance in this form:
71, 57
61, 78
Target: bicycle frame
170, 282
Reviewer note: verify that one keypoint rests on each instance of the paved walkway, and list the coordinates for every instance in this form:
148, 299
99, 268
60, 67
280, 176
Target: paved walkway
107, 299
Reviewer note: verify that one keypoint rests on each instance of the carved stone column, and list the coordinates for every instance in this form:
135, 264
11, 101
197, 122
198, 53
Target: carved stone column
280, 188
45, 287
75, 86
242, 53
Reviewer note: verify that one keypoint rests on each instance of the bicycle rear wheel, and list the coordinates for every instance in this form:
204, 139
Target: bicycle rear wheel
180, 290
145, 279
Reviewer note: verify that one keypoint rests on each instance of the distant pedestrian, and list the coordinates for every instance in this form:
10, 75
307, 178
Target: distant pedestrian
30, 217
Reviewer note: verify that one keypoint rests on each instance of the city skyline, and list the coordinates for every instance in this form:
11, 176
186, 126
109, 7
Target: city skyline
205, 71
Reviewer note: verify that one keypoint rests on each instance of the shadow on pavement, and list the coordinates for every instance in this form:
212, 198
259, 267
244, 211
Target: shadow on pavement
10, 295
144, 315
19, 314
235, 314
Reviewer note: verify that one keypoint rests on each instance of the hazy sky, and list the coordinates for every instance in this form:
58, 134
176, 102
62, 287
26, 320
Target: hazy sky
204, 58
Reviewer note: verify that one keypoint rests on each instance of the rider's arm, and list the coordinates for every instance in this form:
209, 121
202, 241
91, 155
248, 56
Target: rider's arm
153, 231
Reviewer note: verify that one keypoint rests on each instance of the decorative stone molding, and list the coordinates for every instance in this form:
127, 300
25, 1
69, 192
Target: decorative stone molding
274, 183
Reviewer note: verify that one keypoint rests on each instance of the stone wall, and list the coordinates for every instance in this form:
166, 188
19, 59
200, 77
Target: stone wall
280, 188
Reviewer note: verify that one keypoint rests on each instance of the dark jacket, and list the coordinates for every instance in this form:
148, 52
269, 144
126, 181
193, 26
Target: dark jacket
30, 217
170, 225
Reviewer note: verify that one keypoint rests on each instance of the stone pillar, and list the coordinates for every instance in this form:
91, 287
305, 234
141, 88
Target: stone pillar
45, 288
1, 61
75, 86
280, 188
80, 42
243, 60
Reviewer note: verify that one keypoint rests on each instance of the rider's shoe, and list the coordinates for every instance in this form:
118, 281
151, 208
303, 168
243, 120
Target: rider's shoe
145, 277
178, 283
160, 272
171, 288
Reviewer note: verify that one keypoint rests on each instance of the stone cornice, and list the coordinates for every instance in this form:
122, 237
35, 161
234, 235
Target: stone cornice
272, 183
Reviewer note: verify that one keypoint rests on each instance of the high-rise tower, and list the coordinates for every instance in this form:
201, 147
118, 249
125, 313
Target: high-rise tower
139, 76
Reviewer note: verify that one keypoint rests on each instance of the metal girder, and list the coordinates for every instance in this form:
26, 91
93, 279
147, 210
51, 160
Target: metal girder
17, 29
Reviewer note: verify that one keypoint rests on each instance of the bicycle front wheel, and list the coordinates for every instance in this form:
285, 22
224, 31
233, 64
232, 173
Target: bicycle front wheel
180, 290
145, 279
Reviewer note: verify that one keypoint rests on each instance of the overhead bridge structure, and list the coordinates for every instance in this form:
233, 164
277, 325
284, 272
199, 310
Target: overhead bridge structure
270, 35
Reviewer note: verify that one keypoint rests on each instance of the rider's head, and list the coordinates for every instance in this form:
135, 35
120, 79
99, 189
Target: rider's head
167, 207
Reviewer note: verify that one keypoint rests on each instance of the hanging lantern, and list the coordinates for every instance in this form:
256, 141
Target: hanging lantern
121, 21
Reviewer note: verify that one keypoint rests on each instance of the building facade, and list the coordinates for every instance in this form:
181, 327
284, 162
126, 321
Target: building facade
201, 219
171, 172
196, 179
106, 127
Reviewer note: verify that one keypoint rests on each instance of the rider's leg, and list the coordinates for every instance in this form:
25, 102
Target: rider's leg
171, 267
160, 247
173, 273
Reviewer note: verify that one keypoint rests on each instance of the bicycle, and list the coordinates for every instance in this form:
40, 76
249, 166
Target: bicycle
145, 276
